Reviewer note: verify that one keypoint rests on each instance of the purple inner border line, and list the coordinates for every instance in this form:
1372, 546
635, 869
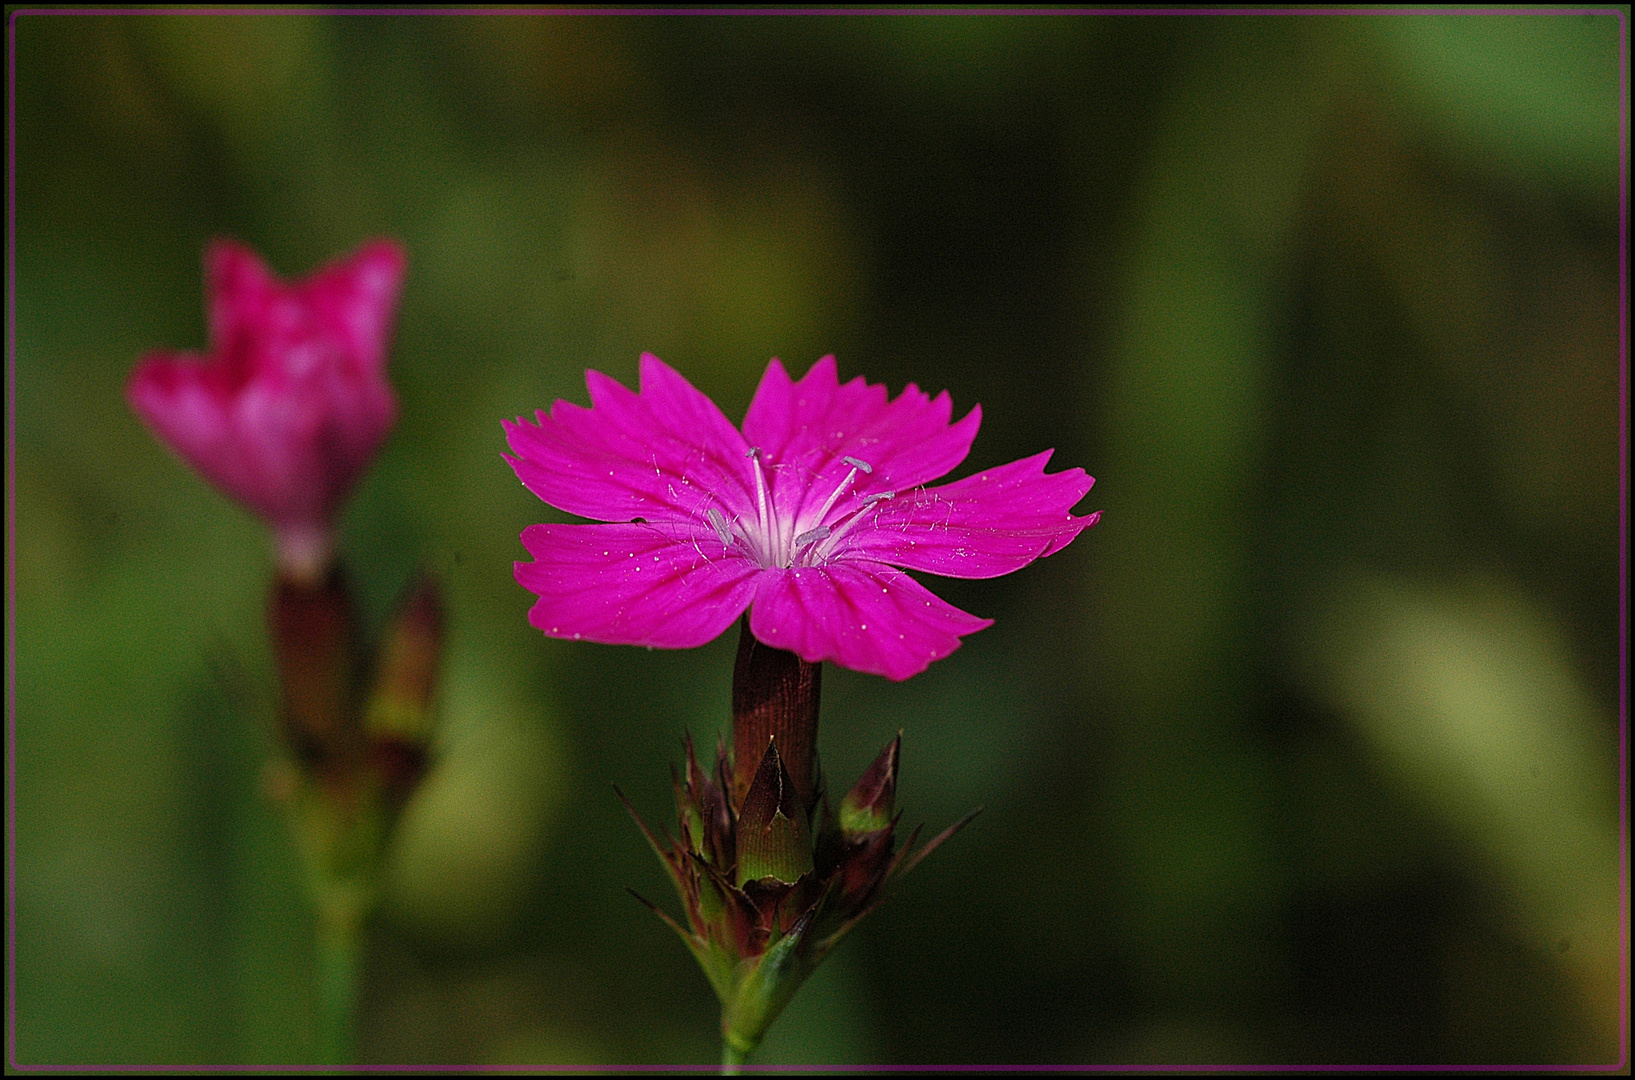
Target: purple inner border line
1623, 536
826, 11
10, 531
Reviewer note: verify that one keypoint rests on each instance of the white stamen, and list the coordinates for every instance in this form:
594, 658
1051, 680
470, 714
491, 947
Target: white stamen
768, 540
834, 497
827, 547
719, 523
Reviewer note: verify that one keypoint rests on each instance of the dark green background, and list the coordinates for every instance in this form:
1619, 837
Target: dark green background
1306, 753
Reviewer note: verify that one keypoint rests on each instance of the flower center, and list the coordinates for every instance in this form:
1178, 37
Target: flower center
772, 541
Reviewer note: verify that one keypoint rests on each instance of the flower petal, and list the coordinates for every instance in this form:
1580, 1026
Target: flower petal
862, 615
624, 584
241, 293
809, 428
192, 415
992, 523
353, 302
289, 450
665, 454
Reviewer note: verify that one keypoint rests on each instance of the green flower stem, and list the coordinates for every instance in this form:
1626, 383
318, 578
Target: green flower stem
340, 951
733, 1055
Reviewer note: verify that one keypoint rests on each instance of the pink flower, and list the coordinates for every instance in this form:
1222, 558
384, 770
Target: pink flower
292, 402
809, 518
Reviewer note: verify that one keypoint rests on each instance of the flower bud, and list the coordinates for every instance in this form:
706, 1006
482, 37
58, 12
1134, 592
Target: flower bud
398, 719
867, 806
314, 633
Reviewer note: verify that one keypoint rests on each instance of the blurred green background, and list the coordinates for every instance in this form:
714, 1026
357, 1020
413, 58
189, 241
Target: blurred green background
1307, 753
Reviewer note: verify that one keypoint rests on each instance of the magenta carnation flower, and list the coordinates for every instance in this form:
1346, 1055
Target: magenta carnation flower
291, 402
808, 518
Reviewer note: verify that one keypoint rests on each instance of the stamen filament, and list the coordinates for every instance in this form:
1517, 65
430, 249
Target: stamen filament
825, 549
768, 540
834, 497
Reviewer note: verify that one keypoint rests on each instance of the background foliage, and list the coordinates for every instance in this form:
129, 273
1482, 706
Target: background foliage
1306, 753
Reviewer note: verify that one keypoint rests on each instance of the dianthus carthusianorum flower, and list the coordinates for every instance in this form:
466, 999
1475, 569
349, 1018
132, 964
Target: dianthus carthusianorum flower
283, 415
809, 517
291, 403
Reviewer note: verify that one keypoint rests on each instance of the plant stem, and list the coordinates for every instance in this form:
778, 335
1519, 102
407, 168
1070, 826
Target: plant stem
339, 951
732, 1057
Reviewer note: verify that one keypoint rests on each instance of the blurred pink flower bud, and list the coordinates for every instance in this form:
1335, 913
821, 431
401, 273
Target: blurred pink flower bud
288, 407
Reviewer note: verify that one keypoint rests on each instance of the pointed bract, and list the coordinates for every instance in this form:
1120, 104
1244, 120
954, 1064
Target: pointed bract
774, 839
863, 868
701, 800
